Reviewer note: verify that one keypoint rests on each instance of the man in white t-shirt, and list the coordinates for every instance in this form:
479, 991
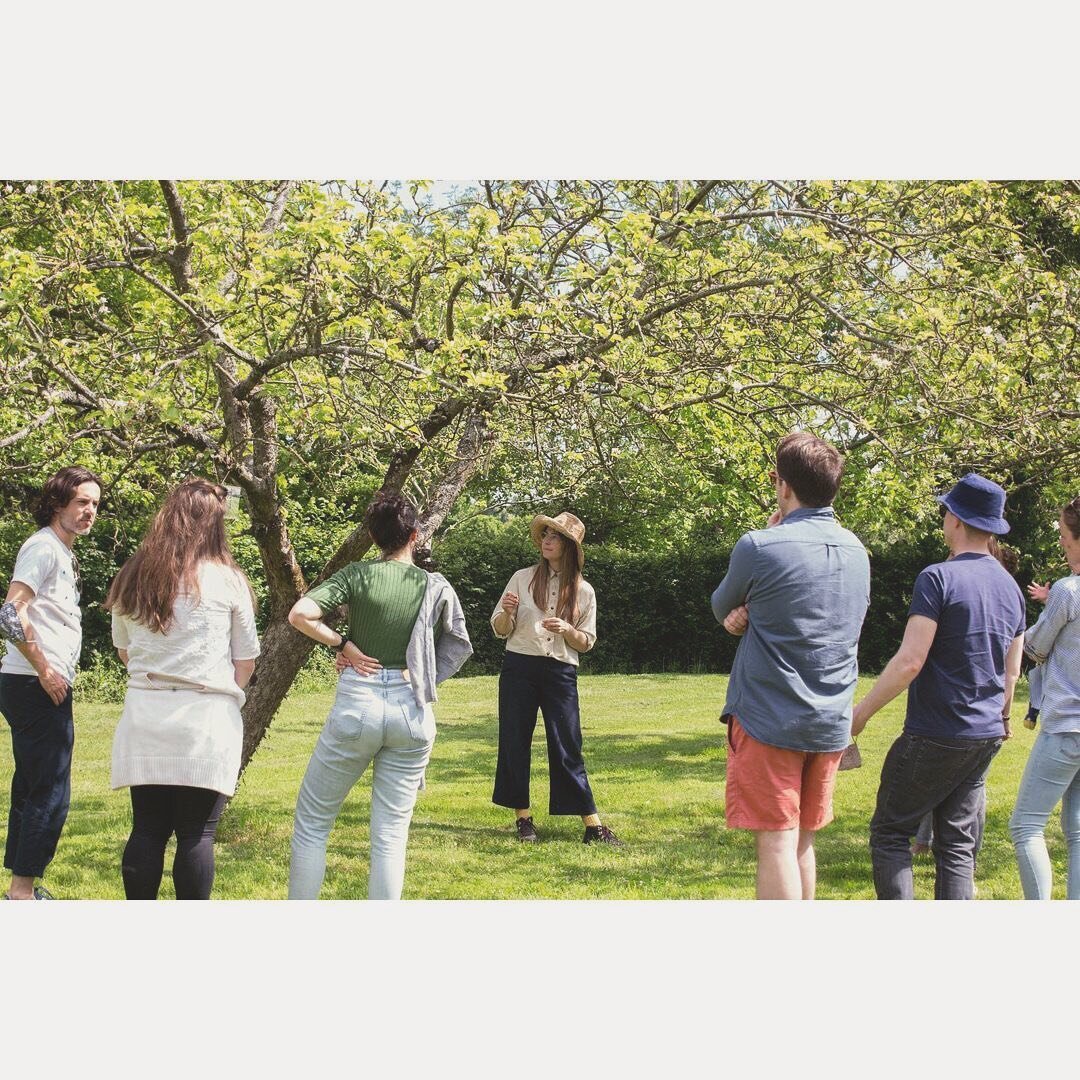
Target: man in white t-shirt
44, 630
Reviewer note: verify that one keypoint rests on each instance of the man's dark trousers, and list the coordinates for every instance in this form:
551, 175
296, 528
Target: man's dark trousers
42, 736
923, 774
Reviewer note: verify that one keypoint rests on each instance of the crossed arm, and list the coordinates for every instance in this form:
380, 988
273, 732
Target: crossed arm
729, 598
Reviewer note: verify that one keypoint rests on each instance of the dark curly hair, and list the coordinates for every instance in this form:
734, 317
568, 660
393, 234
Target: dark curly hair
59, 490
392, 519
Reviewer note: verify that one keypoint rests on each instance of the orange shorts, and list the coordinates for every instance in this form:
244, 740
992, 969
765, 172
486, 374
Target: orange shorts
769, 788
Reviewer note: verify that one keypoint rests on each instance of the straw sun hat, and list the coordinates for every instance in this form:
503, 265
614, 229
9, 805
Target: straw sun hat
566, 524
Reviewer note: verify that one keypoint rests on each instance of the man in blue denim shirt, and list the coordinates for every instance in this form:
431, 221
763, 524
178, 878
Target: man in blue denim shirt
798, 590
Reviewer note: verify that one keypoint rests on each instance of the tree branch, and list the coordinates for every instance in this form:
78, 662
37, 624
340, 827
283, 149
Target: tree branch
179, 259
39, 421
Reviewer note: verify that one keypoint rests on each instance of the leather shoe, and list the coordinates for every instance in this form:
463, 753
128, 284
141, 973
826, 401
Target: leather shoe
601, 834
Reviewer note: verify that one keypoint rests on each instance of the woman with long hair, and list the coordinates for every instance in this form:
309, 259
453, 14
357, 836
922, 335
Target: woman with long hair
1052, 773
183, 622
406, 633
547, 615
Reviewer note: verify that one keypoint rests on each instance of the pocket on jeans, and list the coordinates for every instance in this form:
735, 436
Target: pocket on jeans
420, 721
937, 768
346, 723
945, 746
24, 702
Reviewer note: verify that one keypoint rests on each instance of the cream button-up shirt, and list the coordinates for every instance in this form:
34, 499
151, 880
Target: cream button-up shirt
524, 632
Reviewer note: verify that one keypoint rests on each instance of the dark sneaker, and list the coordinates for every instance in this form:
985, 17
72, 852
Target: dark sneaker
41, 893
601, 834
526, 830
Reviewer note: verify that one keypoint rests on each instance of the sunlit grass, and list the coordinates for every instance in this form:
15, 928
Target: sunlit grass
656, 758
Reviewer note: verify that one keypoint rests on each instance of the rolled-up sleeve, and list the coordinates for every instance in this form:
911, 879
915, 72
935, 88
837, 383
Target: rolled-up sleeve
1039, 640
499, 611
586, 621
734, 589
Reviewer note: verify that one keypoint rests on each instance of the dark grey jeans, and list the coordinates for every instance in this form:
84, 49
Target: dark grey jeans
922, 775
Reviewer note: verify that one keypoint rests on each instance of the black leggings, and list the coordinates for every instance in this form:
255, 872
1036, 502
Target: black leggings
157, 811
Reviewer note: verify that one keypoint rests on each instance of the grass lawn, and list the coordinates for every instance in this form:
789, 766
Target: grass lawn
656, 762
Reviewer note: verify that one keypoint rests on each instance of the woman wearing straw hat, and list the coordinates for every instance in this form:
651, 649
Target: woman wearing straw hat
547, 615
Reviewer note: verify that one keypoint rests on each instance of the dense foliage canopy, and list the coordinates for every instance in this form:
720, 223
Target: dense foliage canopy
632, 349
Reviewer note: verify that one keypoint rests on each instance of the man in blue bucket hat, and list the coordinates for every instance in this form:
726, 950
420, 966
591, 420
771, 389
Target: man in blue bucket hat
959, 660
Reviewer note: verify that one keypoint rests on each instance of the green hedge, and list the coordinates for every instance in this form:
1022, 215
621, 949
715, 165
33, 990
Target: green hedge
653, 607
653, 615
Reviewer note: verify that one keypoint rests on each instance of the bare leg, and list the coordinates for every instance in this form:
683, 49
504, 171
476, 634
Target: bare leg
807, 864
778, 870
22, 888
590, 819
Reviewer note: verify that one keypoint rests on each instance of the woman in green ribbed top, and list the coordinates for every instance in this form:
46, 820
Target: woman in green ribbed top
377, 717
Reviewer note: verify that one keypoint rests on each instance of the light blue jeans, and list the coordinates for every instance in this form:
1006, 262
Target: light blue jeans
1052, 773
375, 720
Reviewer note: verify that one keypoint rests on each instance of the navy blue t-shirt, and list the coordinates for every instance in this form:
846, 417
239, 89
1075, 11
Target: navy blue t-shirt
979, 609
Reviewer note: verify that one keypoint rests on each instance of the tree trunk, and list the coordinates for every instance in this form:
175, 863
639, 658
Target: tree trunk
284, 652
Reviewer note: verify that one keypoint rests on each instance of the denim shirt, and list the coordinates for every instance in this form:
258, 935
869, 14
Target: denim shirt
1054, 641
807, 584
432, 658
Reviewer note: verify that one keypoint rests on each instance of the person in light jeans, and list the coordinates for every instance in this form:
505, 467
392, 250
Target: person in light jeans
406, 633
375, 718
1052, 773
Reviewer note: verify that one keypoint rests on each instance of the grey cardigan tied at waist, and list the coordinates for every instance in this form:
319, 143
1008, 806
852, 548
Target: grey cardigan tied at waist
430, 661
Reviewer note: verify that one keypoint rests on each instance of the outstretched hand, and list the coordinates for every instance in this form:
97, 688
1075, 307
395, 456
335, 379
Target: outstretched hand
1038, 592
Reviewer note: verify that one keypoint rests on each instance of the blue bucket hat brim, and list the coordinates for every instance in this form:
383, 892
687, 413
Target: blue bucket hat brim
996, 525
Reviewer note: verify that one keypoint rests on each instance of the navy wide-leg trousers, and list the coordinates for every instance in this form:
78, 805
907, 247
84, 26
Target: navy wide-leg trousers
528, 684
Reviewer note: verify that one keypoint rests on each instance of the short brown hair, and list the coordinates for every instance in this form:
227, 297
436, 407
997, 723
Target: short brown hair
59, 490
811, 466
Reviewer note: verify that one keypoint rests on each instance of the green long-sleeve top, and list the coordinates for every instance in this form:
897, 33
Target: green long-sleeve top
383, 599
